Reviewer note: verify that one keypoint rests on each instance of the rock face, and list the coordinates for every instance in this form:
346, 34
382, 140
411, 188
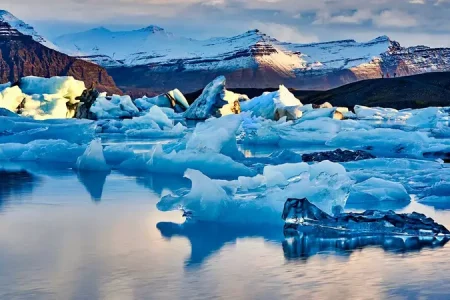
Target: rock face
87, 99
21, 55
301, 215
338, 155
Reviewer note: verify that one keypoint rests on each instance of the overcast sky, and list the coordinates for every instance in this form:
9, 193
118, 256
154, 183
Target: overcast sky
411, 22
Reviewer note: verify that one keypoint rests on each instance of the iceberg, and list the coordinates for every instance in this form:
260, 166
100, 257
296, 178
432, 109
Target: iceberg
43, 98
173, 99
11, 98
217, 135
93, 158
25, 130
118, 107
215, 101
64, 86
215, 165
301, 215
268, 104
50, 151
259, 199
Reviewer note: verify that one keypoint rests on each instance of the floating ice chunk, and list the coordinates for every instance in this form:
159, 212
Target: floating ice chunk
383, 141
46, 106
214, 165
320, 113
117, 154
260, 199
23, 130
43, 98
279, 175
376, 190
266, 105
43, 150
173, 99
301, 215
217, 135
375, 113
65, 86
426, 118
11, 97
93, 158
210, 101
233, 105
118, 107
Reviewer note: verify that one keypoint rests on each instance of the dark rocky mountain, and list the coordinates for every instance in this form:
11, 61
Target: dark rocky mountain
418, 91
21, 55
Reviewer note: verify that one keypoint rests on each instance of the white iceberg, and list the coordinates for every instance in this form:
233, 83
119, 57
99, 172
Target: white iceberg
215, 101
93, 158
267, 105
261, 199
173, 99
118, 107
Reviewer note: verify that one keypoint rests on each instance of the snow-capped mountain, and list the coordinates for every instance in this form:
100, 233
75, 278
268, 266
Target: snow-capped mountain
154, 59
24, 29
23, 52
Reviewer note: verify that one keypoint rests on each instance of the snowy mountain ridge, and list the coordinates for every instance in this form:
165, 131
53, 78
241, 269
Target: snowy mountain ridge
159, 47
25, 29
152, 60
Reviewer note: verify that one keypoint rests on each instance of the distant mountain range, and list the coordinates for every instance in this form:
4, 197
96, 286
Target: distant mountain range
151, 60
23, 52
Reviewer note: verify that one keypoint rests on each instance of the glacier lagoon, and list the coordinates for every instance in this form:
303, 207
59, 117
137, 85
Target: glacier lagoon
142, 202
69, 234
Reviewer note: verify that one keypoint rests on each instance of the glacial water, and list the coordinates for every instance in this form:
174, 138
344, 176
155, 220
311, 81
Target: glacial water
71, 235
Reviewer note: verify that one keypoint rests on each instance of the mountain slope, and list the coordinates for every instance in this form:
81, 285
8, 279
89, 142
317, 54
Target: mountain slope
153, 60
418, 91
24, 29
21, 55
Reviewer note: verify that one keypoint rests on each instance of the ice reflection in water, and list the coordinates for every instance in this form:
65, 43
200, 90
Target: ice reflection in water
124, 248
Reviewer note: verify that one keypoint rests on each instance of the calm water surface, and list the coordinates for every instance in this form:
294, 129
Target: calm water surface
65, 235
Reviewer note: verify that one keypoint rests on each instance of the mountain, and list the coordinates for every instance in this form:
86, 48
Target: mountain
23, 52
154, 60
417, 91
24, 29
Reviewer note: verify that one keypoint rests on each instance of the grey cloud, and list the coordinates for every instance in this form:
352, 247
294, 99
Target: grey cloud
287, 19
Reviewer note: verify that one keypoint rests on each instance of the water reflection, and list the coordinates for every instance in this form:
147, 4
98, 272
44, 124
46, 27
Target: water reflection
306, 245
208, 238
158, 183
15, 185
93, 182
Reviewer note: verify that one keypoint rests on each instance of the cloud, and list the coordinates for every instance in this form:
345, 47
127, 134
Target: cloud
285, 33
394, 18
300, 20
